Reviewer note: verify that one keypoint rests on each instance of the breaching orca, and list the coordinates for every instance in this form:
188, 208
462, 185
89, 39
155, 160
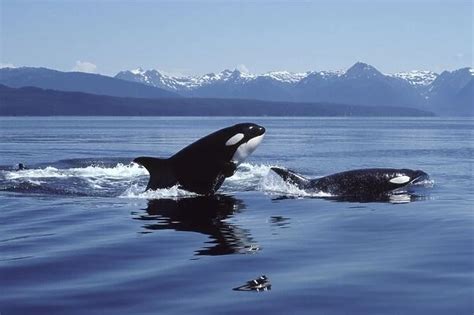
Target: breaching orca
363, 184
202, 166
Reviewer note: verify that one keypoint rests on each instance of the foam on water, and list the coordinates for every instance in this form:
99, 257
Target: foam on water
273, 184
260, 177
247, 177
137, 191
250, 172
427, 183
122, 180
91, 180
118, 171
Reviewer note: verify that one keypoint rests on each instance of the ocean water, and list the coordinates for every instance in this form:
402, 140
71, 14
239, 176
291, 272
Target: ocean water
78, 235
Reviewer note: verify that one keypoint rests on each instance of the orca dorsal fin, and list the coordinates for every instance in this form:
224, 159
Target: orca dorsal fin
161, 172
292, 177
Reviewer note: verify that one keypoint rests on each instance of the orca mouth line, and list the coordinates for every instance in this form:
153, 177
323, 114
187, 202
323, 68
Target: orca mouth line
420, 178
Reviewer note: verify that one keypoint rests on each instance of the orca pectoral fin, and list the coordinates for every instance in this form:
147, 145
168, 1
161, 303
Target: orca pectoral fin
228, 169
292, 177
161, 172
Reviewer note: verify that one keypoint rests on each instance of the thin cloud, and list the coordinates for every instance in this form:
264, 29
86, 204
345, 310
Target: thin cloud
85, 66
242, 68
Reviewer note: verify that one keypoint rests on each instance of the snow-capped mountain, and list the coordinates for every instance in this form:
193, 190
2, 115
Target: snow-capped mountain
361, 84
417, 77
285, 76
188, 83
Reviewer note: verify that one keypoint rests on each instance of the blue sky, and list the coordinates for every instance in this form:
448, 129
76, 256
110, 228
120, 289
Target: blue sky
197, 37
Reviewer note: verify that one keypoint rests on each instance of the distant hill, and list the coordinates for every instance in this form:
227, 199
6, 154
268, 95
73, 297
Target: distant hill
31, 101
78, 82
361, 84
452, 93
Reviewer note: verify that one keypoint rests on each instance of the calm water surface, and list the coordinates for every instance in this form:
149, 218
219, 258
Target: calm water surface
79, 236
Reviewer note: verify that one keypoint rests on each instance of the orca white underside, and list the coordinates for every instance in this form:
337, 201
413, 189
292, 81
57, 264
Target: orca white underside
245, 149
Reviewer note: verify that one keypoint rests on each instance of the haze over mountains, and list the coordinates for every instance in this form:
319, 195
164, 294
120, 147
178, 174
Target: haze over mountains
448, 93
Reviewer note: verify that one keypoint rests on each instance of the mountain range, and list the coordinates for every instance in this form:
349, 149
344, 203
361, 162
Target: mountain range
448, 93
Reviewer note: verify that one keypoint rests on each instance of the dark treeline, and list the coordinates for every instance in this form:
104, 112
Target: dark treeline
31, 101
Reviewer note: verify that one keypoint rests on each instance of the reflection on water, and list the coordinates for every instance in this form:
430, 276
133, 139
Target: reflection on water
398, 198
202, 214
280, 221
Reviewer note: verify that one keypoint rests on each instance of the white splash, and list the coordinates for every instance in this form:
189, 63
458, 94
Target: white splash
129, 181
427, 183
119, 171
261, 178
250, 172
138, 192
273, 184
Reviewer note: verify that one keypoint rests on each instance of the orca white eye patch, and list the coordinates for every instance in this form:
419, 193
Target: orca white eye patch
234, 139
400, 179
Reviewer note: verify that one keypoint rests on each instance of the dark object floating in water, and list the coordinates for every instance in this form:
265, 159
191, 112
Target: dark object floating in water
260, 284
202, 166
21, 167
361, 185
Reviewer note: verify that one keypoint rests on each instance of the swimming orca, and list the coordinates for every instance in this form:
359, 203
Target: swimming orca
365, 184
21, 167
202, 166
